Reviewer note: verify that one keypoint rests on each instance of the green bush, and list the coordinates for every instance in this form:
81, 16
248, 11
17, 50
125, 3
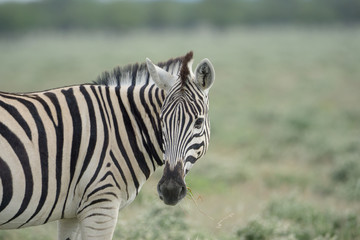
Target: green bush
346, 171
257, 230
290, 219
347, 175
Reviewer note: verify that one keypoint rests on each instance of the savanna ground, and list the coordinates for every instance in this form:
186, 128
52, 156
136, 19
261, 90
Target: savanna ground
284, 158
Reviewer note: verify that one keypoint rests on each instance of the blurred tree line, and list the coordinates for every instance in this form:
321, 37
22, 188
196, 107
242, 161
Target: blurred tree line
123, 15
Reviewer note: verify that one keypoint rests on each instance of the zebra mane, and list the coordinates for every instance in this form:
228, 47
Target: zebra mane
136, 74
185, 71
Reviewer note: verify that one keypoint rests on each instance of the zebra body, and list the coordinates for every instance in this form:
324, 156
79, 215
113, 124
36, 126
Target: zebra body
79, 154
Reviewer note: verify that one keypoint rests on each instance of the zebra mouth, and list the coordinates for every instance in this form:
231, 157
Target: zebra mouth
171, 187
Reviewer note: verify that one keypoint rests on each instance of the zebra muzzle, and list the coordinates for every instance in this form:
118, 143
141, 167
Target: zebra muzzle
172, 187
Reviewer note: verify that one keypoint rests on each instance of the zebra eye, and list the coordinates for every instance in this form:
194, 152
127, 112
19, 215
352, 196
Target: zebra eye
199, 122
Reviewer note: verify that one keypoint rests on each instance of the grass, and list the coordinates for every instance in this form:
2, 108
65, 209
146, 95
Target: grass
290, 219
285, 148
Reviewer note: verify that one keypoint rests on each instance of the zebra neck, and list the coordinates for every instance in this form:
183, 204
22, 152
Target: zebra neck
139, 108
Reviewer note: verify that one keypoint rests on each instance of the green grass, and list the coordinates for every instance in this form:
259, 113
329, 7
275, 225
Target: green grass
284, 156
290, 219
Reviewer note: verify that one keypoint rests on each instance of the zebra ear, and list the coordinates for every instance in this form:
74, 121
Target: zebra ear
205, 75
162, 78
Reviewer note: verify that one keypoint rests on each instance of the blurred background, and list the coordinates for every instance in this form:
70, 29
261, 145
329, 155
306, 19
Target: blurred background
284, 157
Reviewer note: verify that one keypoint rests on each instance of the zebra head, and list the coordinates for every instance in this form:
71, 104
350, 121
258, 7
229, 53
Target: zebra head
184, 121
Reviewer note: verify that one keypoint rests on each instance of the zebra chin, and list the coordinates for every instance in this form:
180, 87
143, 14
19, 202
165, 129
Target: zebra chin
171, 187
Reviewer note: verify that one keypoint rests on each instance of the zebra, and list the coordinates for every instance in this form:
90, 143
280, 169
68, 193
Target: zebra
79, 154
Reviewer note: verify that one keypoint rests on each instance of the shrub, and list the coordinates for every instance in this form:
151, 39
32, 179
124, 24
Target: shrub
290, 219
347, 175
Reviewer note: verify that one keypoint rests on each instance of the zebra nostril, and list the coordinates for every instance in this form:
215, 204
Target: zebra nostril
183, 192
160, 192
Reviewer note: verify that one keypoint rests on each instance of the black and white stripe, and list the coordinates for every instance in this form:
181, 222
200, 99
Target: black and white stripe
79, 154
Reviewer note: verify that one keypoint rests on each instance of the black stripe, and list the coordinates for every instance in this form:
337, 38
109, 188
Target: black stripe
110, 193
93, 134
44, 156
112, 176
59, 129
191, 159
187, 129
46, 107
121, 171
157, 125
117, 73
196, 146
147, 143
7, 184
98, 189
17, 116
23, 157
147, 77
93, 203
105, 143
186, 139
196, 91
139, 156
77, 128
119, 143
134, 69
98, 228
76, 139
127, 124
104, 104
195, 107
151, 149
43, 151
198, 107
159, 96
97, 214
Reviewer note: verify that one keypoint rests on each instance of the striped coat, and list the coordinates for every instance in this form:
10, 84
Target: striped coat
79, 154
